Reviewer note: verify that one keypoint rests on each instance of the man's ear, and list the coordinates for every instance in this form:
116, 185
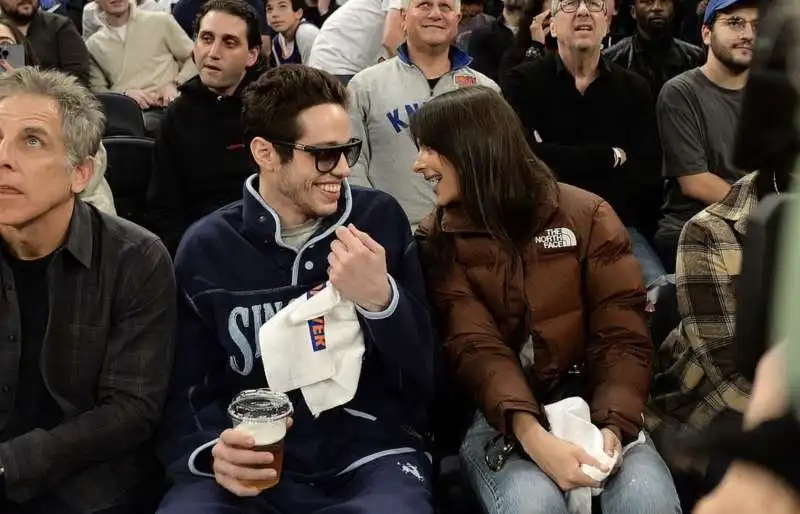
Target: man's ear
264, 154
633, 10
82, 175
705, 32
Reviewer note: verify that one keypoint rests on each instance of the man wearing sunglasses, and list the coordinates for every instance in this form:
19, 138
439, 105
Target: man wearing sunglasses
300, 225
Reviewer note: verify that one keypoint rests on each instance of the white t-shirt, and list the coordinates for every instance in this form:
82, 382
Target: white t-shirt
350, 40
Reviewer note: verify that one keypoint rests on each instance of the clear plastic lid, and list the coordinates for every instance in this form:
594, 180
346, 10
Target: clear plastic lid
259, 406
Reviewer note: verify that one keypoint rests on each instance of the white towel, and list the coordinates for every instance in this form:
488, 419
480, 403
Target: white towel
570, 420
314, 344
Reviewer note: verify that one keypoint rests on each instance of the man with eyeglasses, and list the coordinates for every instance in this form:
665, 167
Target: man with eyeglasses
385, 96
593, 123
652, 51
300, 225
698, 115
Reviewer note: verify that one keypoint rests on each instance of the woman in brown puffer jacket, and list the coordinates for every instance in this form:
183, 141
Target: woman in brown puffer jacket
539, 297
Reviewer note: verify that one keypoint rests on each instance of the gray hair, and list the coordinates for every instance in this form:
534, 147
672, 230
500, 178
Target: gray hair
456, 5
82, 118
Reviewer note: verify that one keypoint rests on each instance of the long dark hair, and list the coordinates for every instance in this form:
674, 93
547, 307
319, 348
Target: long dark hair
504, 187
30, 55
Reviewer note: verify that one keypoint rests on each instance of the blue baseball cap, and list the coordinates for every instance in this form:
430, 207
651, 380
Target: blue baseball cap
714, 6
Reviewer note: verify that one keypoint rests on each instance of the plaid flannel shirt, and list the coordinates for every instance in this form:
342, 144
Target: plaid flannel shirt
697, 380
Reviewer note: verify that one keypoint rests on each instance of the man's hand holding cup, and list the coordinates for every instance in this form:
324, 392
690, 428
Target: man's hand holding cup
249, 457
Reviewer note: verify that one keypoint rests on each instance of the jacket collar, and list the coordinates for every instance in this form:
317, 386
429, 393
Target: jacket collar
738, 204
262, 221
458, 58
79, 240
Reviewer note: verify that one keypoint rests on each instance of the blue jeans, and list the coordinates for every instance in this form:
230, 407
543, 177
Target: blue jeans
643, 485
652, 269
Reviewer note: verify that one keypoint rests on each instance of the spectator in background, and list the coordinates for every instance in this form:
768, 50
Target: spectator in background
295, 36
698, 115
88, 314
652, 52
294, 229
385, 96
54, 38
532, 40
201, 160
472, 18
186, 11
593, 123
91, 15
97, 191
142, 54
356, 36
318, 11
488, 44
534, 281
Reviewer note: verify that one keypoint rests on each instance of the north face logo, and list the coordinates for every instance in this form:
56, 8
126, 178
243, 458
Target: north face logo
554, 238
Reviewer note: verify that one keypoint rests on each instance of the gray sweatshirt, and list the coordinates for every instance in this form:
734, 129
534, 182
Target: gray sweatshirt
383, 97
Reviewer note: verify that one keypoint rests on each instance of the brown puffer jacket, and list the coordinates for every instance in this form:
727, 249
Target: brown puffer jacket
482, 298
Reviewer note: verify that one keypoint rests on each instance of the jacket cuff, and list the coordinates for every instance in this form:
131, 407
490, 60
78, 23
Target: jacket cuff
503, 420
389, 310
200, 460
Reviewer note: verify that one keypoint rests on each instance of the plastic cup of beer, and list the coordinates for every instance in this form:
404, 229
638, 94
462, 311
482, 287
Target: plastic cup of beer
264, 415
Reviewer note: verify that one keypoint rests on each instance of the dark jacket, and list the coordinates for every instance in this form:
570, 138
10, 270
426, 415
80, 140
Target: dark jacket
487, 46
487, 295
656, 61
201, 159
234, 273
58, 45
106, 359
574, 133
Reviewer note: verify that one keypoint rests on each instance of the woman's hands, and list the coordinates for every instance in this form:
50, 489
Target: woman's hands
559, 459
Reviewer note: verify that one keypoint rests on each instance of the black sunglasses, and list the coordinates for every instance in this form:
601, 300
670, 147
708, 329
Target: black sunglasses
326, 157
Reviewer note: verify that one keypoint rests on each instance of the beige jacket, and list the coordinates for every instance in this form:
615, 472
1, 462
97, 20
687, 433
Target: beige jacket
154, 52
98, 192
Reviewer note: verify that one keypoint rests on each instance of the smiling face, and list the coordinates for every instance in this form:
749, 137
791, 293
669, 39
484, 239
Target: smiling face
730, 38
221, 51
35, 174
438, 171
295, 188
580, 24
431, 22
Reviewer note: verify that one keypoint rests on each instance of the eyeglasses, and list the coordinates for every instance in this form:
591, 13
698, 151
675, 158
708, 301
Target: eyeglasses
571, 6
737, 24
326, 157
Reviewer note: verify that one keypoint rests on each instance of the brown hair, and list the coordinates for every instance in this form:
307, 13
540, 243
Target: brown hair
19, 37
505, 188
273, 103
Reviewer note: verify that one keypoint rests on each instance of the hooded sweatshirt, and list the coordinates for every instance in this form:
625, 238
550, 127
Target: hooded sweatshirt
201, 159
383, 98
98, 192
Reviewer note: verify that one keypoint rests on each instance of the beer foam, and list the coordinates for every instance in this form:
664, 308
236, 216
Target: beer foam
264, 433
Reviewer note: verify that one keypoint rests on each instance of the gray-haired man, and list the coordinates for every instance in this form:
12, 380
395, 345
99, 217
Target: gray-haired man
87, 307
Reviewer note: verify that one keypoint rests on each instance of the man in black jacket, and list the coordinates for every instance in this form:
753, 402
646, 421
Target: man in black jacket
55, 40
652, 52
593, 123
201, 160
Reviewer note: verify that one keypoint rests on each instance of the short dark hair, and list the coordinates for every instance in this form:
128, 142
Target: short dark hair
238, 8
272, 104
296, 5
